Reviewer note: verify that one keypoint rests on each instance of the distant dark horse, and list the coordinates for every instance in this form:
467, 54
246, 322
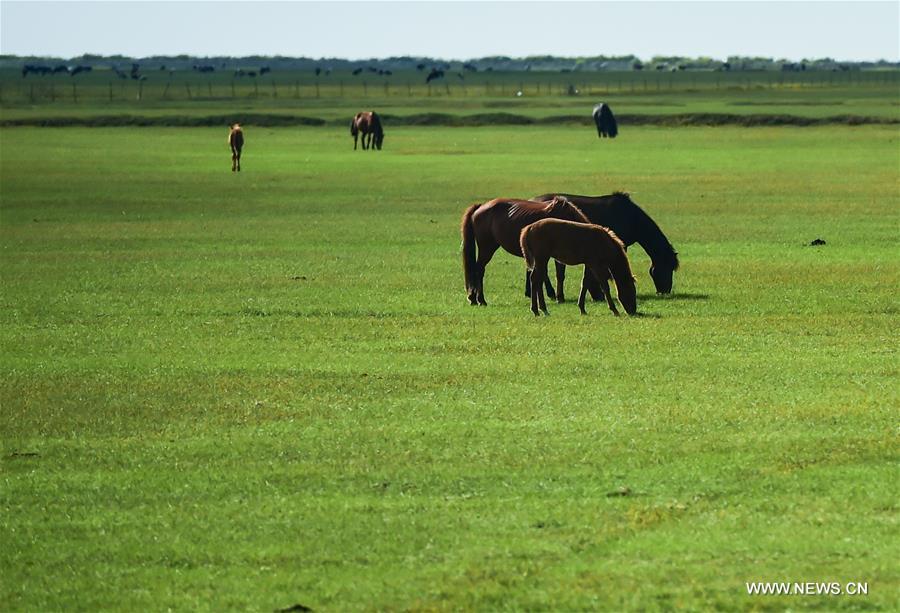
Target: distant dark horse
632, 225
236, 142
599, 249
369, 124
498, 223
606, 122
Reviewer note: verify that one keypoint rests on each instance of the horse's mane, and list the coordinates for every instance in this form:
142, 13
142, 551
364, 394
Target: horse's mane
621, 250
561, 204
668, 252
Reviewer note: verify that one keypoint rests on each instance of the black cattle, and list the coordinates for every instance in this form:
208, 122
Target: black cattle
434, 74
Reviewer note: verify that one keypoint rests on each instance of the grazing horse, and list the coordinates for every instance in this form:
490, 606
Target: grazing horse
632, 225
598, 248
498, 223
236, 142
606, 122
369, 124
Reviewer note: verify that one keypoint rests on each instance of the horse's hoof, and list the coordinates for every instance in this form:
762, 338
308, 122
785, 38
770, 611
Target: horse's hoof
482, 302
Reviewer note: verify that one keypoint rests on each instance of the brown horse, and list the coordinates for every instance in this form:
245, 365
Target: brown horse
369, 124
498, 223
236, 142
598, 248
619, 213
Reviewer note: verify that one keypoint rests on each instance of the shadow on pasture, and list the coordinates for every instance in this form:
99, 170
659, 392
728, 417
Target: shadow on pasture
675, 296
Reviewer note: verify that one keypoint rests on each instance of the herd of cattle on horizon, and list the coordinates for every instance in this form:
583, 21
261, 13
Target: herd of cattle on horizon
594, 231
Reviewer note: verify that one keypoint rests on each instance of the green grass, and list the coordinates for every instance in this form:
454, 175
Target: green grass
246, 391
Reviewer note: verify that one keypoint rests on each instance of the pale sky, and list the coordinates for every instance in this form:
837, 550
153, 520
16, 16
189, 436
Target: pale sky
453, 30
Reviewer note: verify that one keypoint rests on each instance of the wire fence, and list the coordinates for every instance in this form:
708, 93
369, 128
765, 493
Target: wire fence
98, 87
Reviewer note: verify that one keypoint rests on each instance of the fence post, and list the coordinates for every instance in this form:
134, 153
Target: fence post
74, 92
188, 88
274, 89
111, 95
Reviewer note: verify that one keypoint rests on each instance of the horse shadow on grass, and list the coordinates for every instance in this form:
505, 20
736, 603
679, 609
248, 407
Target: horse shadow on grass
674, 296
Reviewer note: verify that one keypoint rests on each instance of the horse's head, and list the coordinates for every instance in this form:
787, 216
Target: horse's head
662, 278
379, 139
625, 282
627, 292
662, 273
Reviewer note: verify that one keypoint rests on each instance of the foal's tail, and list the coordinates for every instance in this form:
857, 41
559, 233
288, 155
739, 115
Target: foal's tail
467, 229
526, 252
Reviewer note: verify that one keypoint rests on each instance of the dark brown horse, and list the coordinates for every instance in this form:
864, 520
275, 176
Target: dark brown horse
498, 223
236, 142
632, 225
598, 248
369, 125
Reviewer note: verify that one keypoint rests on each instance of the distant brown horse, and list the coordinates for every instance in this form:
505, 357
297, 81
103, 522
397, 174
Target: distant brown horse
498, 223
369, 124
598, 248
236, 142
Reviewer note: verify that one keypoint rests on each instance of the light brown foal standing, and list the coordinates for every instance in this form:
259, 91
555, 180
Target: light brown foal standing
571, 243
236, 142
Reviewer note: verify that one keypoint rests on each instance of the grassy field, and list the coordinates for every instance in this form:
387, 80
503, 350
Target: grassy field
248, 391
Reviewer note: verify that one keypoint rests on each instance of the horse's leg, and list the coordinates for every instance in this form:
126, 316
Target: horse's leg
585, 279
527, 283
355, 139
543, 304
595, 290
233, 161
601, 274
548, 284
538, 278
485, 253
560, 281
239, 161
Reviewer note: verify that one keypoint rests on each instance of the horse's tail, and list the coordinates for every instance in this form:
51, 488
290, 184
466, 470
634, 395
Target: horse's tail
467, 229
353, 129
526, 251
